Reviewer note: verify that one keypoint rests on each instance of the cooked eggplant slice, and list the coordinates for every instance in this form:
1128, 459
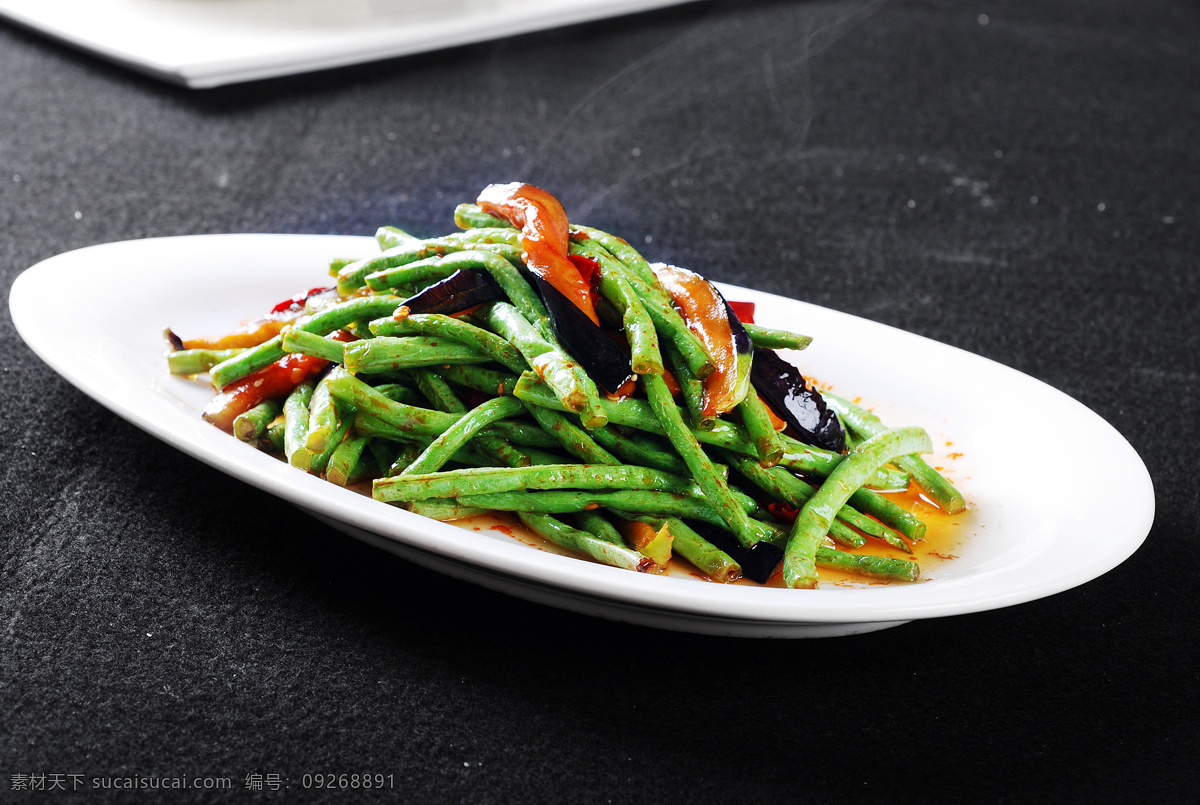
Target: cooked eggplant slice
741, 338
783, 388
606, 362
463, 289
758, 563
742, 347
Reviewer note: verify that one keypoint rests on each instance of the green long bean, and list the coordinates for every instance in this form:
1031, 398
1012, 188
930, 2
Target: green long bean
669, 321
807, 458
443, 398
812, 524
354, 276
345, 464
420, 482
384, 354
480, 378
325, 321
388, 237
195, 361
645, 358
789, 489
328, 420
767, 338
880, 567
664, 504
252, 424
272, 440
708, 558
561, 373
761, 429
295, 413
596, 524
602, 551
716, 490
456, 436
405, 419
642, 451
691, 389
573, 439
312, 344
935, 485
433, 324
472, 216
653, 295
639, 414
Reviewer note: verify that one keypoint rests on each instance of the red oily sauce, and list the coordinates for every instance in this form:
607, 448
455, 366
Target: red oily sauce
943, 534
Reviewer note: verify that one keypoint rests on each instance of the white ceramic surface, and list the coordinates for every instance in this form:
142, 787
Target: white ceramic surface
207, 43
1041, 522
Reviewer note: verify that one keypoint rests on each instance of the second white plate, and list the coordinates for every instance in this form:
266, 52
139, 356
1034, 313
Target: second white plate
207, 43
1043, 516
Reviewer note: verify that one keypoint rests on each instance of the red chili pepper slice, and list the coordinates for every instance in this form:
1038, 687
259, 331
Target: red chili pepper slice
263, 329
269, 383
588, 268
250, 334
545, 230
744, 311
783, 511
297, 302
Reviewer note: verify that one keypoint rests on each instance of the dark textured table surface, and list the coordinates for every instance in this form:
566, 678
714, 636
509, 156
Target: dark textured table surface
1018, 179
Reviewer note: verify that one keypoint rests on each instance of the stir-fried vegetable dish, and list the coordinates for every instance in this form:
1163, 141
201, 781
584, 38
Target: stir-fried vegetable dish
619, 408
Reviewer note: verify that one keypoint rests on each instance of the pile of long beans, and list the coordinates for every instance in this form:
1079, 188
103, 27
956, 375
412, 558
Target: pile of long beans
452, 415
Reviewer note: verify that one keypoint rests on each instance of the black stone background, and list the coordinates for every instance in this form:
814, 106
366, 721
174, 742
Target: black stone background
160, 618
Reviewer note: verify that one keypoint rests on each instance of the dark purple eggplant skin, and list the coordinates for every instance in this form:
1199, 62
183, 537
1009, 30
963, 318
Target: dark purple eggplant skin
463, 289
604, 361
783, 388
741, 338
758, 563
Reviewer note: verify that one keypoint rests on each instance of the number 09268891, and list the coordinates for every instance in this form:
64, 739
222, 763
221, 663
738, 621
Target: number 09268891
348, 780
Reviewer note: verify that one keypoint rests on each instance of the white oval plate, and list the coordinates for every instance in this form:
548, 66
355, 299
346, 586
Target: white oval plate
203, 43
1042, 521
